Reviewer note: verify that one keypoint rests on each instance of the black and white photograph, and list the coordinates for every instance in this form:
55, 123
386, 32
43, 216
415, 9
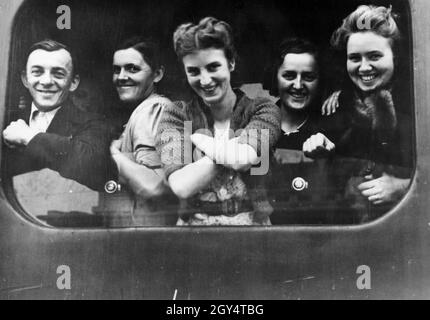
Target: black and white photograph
214, 150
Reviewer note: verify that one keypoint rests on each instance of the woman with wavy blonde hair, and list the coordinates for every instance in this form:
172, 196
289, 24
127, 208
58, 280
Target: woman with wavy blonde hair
368, 125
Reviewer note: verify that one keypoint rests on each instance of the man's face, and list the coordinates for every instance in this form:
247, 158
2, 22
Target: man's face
49, 78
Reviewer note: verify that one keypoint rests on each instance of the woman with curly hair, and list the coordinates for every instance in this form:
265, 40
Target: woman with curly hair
229, 131
369, 127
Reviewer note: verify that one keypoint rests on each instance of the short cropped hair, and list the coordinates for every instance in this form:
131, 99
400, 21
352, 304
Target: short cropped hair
149, 49
52, 45
208, 33
295, 46
380, 20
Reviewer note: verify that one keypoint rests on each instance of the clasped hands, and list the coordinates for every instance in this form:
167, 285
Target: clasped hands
18, 133
227, 152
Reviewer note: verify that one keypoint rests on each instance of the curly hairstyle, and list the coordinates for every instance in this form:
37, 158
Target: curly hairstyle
208, 33
380, 20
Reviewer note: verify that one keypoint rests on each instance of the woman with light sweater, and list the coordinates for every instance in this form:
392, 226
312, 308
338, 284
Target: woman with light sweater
141, 198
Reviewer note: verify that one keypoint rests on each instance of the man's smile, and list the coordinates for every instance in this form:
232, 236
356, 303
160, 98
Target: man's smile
47, 91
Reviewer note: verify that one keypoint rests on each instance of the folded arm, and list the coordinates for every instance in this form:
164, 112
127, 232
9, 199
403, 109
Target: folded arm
193, 177
144, 181
82, 156
229, 153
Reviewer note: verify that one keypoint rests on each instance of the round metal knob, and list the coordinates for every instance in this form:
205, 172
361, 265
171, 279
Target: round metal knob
112, 186
299, 184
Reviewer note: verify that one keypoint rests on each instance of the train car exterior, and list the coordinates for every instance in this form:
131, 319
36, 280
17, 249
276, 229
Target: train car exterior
385, 258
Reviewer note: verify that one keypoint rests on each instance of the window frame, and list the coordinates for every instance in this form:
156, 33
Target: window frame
7, 186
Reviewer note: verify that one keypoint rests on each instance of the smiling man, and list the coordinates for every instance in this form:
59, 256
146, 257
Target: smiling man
53, 133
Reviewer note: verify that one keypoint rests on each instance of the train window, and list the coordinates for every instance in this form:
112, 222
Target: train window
69, 108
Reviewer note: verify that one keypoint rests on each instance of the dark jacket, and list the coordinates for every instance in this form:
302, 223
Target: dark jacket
373, 135
300, 188
76, 145
373, 129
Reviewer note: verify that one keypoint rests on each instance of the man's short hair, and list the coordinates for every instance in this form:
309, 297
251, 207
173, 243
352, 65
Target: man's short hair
52, 45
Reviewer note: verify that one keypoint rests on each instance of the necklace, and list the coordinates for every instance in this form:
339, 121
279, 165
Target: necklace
298, 127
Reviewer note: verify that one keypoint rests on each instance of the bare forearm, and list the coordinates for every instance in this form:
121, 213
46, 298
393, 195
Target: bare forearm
231, 153
192, 178
144, 181
246, 157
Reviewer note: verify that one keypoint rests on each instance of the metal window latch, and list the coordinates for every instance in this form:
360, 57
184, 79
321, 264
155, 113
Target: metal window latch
112, 186
299, 184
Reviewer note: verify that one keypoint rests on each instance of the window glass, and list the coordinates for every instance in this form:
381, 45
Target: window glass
65, 173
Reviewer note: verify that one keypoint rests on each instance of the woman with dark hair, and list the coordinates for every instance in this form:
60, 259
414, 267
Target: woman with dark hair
297, 180
369, 127
297, 81
137, 70
229, 131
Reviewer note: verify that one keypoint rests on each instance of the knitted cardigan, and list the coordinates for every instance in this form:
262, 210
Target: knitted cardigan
250, 115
